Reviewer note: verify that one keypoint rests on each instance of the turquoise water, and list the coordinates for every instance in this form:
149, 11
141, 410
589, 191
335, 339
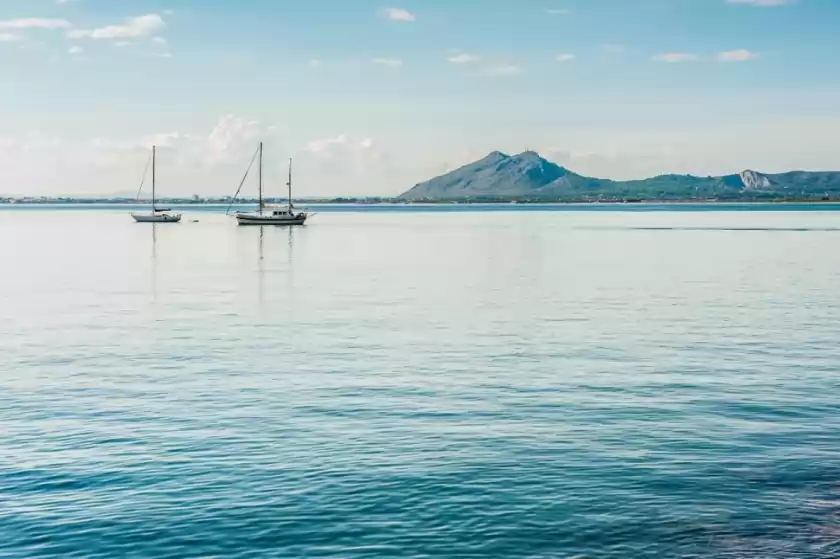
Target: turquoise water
535, 384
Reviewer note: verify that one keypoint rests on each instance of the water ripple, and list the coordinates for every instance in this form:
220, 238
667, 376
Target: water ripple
430, 384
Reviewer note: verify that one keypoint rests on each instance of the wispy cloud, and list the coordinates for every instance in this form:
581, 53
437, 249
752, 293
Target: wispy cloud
315, 62
34, 23
142, 26
393, 62
398, 14
558, 12
9, 38
347, 155
324, 145
463, 58
740, 55
676, 57
232, 138
762, 3
76, 50
503, 70
565, 57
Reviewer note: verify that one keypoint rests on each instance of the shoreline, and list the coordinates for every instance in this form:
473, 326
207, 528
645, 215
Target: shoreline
344, 202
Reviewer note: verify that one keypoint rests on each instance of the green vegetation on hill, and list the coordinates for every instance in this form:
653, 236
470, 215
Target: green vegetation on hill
529, 177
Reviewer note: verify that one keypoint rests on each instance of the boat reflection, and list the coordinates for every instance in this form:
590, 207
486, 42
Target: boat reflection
154, 266
261, 268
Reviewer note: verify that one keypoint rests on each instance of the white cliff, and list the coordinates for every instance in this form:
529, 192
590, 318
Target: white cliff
754, 181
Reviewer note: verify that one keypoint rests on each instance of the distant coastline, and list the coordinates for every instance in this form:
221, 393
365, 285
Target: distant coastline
528, 178
360, 201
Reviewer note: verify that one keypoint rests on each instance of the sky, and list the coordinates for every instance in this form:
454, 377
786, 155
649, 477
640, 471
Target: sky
370, 97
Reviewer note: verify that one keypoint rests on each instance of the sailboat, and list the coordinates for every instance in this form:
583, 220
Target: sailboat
272, 215
157, 215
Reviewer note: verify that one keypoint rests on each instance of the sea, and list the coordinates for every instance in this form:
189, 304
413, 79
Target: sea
509, 381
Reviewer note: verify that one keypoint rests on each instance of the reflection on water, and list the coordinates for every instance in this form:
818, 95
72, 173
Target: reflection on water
270, 263
154, 262
261, 268
154, 241
262, 243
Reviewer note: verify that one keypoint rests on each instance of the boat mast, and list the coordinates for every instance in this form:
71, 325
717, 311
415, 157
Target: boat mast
261, 166
154, 157
289, 184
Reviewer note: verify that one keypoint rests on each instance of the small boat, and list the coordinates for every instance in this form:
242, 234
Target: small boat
157, 215
272, 215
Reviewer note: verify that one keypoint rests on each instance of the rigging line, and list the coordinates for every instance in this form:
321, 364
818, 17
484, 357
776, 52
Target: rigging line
142, 182
235, 196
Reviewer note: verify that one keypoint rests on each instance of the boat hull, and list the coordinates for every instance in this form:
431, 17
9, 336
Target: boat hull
270, 220
156, 218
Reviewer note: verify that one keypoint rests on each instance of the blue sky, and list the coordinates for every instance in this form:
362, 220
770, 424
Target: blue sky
371, 97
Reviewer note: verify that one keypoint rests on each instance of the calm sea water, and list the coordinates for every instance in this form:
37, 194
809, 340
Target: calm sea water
529, 384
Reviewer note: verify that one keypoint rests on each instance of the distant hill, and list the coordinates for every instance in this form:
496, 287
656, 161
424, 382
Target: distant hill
528, 176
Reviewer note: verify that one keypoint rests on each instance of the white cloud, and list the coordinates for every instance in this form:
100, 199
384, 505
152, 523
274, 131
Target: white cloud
159, 40
122, 44
565, 57
558, 12
337, 158
231, 142
233, 139
10, 29
393, 62
675, 57
762, 3
76, 50
166, 140
323, 145
315, 62
740, 55
356, 163
36, 163
463, 58
34, 23
398, 14
503, 70
342, 144
142, 26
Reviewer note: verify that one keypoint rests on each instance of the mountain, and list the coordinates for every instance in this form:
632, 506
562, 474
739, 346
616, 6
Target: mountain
528, 176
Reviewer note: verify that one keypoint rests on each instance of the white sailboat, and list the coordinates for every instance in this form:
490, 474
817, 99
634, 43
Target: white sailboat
272, 215
157, 215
